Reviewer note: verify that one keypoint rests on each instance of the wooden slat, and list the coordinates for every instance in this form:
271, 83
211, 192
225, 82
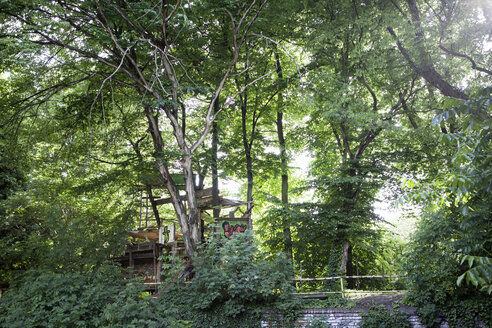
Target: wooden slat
355, 292
349, 277
167, 200
204, 193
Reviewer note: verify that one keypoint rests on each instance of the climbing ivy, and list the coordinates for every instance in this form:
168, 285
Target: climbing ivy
380, 317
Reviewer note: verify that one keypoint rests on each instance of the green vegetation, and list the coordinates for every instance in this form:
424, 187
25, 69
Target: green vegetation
318, 323
96, 299
234, 284
380, 317
378, 101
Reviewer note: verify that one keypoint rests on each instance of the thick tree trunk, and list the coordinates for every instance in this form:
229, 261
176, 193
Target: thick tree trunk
193, 217
346, 266
345, 257
285, 186
188, 221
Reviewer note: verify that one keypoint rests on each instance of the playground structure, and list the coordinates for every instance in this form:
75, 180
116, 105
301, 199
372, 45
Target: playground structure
155, 238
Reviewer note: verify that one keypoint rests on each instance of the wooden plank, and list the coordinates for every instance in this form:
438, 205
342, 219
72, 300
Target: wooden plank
348, 277
139, 256
130, 264
152, 235
316, 293
356, 292
232, 219
317, 296
204, 193
167, 200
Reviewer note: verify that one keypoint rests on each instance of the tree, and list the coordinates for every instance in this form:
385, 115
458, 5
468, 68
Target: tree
358, 95
149, 51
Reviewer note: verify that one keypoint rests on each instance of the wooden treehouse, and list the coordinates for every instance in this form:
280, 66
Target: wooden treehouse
157, 236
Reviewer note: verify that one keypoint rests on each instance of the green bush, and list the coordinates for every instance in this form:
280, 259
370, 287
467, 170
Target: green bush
318, 322
433, 268
97, 299
380, 317
235, 285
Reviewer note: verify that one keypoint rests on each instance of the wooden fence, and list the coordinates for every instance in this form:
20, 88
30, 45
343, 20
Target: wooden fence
343, 292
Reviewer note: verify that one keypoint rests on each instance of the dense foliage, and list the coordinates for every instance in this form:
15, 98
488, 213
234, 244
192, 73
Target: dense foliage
456, 227
96, 299
233, 286
380, 317
377, 101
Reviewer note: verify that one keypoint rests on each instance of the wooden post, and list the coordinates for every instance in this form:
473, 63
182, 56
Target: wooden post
159, 264
341, 287
141, 208
300, 264
147, 211
130, 263
154, 263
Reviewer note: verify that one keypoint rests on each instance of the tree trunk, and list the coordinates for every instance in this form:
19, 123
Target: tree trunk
345, 257
249, 161
188, 222
426, 67
283, 164
215, 174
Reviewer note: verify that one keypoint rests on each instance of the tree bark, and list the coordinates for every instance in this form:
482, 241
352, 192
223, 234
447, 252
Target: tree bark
426, 67
345, 257
283, 163
215, 174
249, 160
188, 222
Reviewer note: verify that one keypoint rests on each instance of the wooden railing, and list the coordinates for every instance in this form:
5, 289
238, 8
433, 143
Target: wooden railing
342, 291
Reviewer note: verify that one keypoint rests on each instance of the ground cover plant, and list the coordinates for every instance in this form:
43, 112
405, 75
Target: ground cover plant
314, 117
234, 286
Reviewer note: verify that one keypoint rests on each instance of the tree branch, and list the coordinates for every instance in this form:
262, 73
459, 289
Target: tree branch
454, 53
428, 72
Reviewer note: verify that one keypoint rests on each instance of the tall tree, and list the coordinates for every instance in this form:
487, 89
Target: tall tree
150, 50
283, 158
358, 95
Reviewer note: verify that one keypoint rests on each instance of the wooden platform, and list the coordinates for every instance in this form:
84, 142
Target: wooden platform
144, 260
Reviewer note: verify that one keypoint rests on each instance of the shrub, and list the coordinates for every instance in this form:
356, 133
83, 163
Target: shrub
235, 285
318, 322
433, 268
380, 317
97, 299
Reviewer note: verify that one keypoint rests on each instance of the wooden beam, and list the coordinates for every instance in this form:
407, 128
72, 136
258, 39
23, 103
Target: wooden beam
349, 277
